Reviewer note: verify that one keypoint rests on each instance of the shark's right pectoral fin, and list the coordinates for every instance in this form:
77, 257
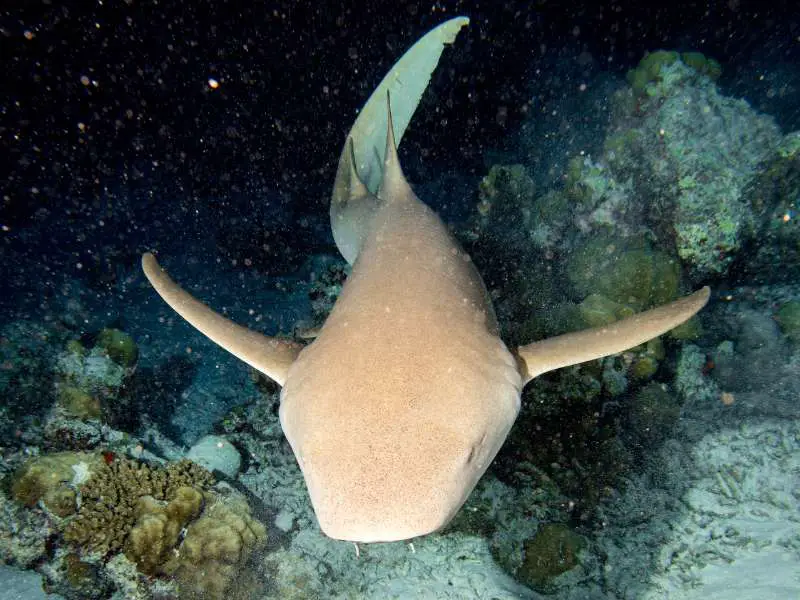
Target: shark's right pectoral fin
271, 356
581, 346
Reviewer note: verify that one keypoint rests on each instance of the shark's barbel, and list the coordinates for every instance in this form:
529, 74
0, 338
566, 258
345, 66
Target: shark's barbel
402, 401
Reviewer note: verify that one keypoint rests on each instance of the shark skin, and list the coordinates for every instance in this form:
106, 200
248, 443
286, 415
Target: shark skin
402, 401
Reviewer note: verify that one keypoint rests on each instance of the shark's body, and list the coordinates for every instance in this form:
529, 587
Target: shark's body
400, 404
405, 397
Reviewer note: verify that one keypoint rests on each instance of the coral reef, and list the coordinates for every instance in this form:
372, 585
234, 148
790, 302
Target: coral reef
788, 317
551, 552
53, 480
696, 153
91, 383
699, 175
209, 563
110, 500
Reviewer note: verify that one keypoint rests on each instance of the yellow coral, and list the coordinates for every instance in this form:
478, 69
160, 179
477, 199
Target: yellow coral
158, 528
216, 547
111, 497
52, 479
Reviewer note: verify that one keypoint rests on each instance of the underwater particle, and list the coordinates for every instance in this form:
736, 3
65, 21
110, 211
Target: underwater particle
551, 552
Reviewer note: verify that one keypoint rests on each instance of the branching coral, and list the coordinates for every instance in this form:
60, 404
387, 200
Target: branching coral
110, 500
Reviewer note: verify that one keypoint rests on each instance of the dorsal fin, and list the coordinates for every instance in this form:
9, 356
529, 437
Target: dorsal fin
356, 187
393, 183
351, 212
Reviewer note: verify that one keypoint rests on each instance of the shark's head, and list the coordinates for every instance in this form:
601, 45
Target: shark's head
394, 454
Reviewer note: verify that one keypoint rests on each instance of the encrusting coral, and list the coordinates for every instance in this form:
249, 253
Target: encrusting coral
52, 479
91, 382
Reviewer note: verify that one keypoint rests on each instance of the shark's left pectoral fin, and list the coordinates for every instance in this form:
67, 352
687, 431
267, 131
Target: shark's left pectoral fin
271, 356
581, 346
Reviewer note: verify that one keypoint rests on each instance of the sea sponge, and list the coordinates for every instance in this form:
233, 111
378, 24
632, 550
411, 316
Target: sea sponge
552, 551
625, 271
209, 564
653, 412
78, 403
119, 346
647, 75
702, 64
788, 318
504, 190
649, 69
596, 310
